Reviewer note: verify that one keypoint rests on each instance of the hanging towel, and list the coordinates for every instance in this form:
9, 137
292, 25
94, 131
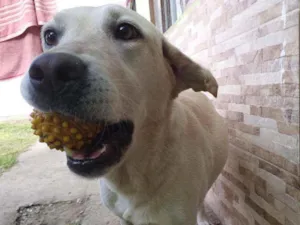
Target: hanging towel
20, 23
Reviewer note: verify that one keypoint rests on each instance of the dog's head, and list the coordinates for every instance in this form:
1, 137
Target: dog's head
108, 64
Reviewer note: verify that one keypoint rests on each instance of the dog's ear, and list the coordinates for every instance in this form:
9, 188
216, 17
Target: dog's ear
188, 74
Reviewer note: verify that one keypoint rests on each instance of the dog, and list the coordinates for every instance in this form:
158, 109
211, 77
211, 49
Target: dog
163, 144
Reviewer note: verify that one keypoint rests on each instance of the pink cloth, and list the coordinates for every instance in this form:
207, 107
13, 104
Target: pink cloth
20, 23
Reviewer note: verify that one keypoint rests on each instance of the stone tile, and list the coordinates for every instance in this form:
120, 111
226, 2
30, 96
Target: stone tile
221, 105
239, 108
272, 101
291, 49
226, 98
261, 78
281, 144
273, 26
289, 201
288, 222
271, 65
229, 195
290, 90
239, 142
290, 63
291, 5
292, 216
269, 208
290, 179
264, 90
223, 55
277, 160
236, 182
267, 112
262, 192
291, 18
230, 89
235, 41
251, 90
238, 28
261, 212
254, 130
288, 129
290, 103
235, 116
260, 122
270, 13
293, 192
272, 52
290, 77
275, 38
254, 9
291, 116
241, 218
249, 57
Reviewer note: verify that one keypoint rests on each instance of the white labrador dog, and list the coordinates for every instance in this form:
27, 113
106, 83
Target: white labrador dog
162, 147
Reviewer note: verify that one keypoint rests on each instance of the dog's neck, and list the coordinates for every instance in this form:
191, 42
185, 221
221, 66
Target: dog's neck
148, 161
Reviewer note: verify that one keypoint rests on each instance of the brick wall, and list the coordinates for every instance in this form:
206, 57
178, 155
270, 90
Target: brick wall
252, 47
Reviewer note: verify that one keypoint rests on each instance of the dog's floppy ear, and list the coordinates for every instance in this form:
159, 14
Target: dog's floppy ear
188, 74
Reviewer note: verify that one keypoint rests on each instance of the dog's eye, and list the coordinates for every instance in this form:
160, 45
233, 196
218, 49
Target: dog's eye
126, 32
50, 37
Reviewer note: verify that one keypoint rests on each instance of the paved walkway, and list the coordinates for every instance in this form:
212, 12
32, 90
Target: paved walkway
40, 188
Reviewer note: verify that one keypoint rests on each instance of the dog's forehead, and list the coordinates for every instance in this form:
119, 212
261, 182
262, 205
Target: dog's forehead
100, 16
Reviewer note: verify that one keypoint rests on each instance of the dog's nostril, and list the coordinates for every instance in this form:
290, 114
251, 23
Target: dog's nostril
36, 73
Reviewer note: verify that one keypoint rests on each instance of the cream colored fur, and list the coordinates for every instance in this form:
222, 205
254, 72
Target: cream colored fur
179, 143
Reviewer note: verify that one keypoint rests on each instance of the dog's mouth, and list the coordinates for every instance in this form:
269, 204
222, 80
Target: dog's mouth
105, 150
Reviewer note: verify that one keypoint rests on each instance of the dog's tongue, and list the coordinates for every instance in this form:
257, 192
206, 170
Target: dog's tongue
81, 155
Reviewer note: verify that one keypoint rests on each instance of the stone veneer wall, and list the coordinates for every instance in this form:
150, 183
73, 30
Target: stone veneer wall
252, 48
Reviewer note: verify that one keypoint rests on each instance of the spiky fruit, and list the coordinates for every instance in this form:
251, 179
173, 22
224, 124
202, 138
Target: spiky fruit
59, 131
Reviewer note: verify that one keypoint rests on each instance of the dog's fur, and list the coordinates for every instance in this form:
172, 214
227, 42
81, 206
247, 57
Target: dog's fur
179, 144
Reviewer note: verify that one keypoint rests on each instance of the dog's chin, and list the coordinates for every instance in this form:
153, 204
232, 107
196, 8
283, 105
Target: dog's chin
105, 151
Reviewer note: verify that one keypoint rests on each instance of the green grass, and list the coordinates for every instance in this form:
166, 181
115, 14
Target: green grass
15, 137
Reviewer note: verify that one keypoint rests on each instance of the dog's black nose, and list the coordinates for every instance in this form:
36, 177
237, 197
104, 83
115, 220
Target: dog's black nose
51, 70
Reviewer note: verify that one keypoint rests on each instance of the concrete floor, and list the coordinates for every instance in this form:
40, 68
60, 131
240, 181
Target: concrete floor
40, 182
